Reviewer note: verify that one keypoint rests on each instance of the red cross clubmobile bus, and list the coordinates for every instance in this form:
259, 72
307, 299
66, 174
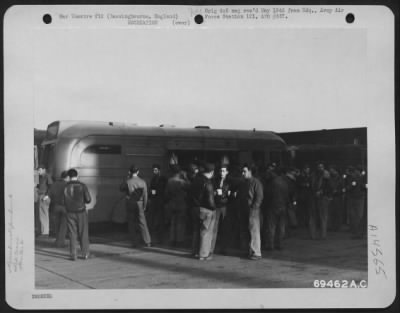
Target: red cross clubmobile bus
102, 152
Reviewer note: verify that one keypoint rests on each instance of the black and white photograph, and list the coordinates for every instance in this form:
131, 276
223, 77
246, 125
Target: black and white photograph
199, 157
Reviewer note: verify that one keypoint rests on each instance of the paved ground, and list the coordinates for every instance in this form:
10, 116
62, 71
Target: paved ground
117, 265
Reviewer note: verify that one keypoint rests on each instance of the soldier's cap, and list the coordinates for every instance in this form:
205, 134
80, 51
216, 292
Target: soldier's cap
41, 165
209, 167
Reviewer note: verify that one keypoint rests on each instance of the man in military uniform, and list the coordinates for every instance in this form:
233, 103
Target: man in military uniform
222, 193
176, 206
45, 182
356, 190
155, 212
304, 196
336, 211
136, 191
76, 196
276, 211
250, 197
202, 192
321, 188
56, 194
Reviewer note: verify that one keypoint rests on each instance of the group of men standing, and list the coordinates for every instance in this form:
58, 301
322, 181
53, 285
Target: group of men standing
258, 206
252, 207
67, 198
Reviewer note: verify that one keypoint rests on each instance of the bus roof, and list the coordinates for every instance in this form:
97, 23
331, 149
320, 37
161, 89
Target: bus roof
74, 129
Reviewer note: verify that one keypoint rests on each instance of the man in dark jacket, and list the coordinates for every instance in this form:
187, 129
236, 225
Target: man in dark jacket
202, 192
56, 194
336, 205
155, 212
76, 196
222, 194
322, 195
304, 196
277, 211
250, 197
356, 194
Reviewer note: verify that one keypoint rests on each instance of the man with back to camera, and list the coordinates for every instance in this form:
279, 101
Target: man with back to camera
202, 191
76, 196
251, 196
136, 190
56, 194
276, 211
45, 182
155, 212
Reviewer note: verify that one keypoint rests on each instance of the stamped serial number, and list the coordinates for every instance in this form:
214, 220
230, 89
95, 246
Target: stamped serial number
42, 296
320, 283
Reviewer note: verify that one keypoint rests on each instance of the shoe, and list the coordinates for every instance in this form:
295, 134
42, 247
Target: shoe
208, 258
73, 258
255, 257
86, 256
148, 245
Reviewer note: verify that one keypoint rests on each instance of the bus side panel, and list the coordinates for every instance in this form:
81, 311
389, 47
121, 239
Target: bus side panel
99, 161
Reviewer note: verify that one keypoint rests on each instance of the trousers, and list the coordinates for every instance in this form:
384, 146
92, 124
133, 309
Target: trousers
78, 230
250, 235
203, 228
178, 226
335, 213
275, 227
60, 224
220, 223
356, 206
44, 215
318, 217
137, 219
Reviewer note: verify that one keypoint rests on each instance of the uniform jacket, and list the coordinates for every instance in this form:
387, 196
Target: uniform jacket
45, 182
56, 192
175, 194
280, 194
356, 185
136, 189
337, 185
76, 196
251, 193
225, 186
321, 185
202, 192
157, 186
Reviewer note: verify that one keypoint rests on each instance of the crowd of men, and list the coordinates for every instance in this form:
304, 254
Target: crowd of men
250, 209
253, 209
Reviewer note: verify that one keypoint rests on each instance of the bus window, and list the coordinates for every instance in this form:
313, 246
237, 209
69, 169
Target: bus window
102, 156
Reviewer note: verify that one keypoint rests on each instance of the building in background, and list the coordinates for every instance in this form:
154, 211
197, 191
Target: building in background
342, 147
